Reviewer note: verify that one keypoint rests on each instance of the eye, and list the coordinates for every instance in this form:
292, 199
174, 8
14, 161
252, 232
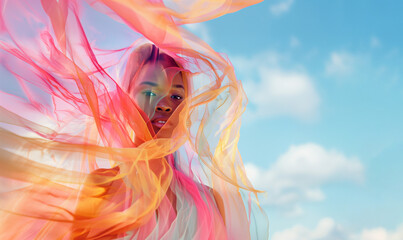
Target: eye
149, 94
176, 97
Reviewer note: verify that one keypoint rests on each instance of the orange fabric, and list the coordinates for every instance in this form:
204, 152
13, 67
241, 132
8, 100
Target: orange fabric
80, 157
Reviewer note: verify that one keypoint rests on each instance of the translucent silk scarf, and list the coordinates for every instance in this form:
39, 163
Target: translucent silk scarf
78, 156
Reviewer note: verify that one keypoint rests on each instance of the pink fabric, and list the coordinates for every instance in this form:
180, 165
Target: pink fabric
79, 158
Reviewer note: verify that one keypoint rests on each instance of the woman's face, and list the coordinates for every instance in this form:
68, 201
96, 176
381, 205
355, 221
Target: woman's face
158, 92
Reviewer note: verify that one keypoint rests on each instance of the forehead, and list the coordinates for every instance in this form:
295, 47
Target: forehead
159, 75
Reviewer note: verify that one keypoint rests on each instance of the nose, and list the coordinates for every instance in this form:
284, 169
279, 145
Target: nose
163, 109
163, 106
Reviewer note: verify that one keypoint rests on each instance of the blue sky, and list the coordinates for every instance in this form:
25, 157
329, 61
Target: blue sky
322, 133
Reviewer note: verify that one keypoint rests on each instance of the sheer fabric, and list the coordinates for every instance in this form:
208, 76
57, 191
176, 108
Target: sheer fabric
79, 158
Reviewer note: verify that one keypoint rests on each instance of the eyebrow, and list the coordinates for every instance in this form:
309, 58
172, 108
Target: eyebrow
154, 85
149, 83
178, 86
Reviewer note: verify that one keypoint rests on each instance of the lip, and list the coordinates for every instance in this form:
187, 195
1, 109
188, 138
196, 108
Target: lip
159, 122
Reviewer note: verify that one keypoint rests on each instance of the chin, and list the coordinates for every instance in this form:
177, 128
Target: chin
156, 130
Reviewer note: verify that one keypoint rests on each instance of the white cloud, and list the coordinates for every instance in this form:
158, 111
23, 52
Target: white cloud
375, 42
380, 233
341, 63
281, 92
275, 90
294, 41
299, 174
328, 229
200, 30
374, 234
281, 7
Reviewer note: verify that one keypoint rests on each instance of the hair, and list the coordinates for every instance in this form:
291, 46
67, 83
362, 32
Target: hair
149, 54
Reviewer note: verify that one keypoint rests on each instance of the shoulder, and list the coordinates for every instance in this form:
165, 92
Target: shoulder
106, 171
100, 176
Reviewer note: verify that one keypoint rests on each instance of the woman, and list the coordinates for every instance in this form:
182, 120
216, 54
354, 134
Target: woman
87, 156
158, 86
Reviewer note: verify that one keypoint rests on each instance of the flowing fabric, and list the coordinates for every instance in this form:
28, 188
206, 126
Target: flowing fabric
79, 158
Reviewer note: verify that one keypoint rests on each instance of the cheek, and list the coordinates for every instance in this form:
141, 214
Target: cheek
146, 104
175, 104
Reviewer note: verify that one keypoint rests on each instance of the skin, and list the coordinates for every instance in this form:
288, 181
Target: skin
159, 97
158, 92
